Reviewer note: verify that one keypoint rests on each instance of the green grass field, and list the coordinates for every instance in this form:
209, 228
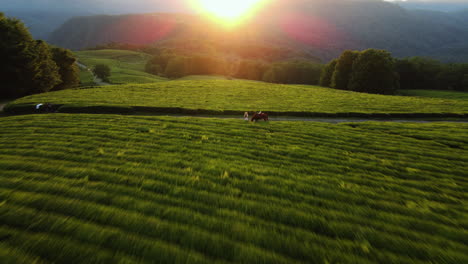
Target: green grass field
86, 78
203, 77
224, 96
126, 66
117, 189
435, 94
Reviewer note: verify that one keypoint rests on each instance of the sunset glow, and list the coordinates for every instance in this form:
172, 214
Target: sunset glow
230, 11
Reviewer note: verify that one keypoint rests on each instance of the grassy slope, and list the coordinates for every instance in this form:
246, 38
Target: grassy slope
126, 66
103, 188
86, 78
435, 94
203, 77
222, 95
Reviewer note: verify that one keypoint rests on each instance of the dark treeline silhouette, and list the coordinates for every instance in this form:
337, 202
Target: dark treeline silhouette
375, 71
369, 71
31, 66
425, 73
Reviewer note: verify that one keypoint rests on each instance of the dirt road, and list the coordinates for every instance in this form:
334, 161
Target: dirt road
2, 105
327, 120
96, 80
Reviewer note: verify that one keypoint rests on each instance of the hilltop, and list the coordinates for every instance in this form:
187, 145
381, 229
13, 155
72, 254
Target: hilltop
126, 66
236, 97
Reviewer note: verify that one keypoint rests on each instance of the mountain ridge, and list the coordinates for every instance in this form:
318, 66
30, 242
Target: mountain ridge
322, 29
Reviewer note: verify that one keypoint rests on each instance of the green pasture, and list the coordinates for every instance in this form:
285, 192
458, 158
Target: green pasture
86, 77
435, 94
235, 96
126, 66
118, 189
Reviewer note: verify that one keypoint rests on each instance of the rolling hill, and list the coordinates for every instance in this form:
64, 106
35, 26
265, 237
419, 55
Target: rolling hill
103, 176
126, 66
236, 97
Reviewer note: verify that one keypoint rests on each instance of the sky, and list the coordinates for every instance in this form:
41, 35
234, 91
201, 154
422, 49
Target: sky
138, 6
98, 5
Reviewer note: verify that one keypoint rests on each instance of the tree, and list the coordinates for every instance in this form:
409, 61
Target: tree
303, 72
327, 74
176, 68
295, 72
45, 75
406, 72
26, 66
343, 69
464, 84
68, 70
251, 70
373, 72
158, 64
270, 75
451, 77
102, 71
425, 73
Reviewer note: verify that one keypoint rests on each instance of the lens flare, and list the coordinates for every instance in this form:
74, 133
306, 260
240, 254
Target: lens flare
228, 10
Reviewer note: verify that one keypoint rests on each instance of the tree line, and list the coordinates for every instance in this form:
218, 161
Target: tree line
172, 65
376, 71
426, 73
369, 71
30, 66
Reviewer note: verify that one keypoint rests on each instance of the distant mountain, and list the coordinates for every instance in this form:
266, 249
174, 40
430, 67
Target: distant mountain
442, 6
95, 6
45, 16
319, 28
42, 23
89, 31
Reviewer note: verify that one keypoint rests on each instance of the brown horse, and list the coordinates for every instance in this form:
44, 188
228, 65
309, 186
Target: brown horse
260, 116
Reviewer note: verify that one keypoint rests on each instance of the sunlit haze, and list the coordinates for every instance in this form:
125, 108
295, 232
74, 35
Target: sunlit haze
229, 11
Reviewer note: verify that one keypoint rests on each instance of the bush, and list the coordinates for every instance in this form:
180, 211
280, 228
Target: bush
102, 71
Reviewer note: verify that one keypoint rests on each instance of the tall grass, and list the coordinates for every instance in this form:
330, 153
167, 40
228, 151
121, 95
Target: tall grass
435, 94
107, 188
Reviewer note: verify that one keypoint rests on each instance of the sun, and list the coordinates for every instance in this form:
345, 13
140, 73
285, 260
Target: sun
229, 10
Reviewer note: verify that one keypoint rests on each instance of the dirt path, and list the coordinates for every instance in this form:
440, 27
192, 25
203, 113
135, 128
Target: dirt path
96, 80
99, 82
2, 105
294, 119
328, 120
357, 120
